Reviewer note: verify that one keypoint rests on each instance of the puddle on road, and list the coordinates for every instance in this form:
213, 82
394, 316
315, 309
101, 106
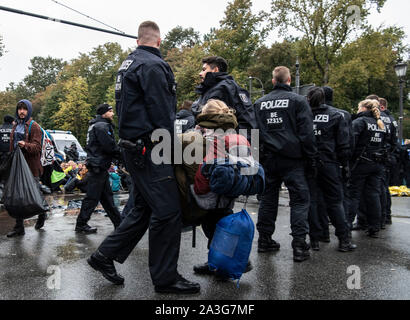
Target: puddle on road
59, 203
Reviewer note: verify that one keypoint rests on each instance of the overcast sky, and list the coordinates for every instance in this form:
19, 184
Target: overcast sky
26, 37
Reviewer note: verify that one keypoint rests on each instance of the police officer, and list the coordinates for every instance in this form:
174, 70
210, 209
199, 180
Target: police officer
217, 84
367, 169
146, 101
345, 168
332, 138
5, 131
101, 149
390, 146
286, 134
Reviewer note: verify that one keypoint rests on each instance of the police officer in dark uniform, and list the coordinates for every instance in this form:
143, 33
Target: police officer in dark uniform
390, 146
218, 84
5, 131
101, 149
367, 168
285, 122
146, 101
332, 138
345, 169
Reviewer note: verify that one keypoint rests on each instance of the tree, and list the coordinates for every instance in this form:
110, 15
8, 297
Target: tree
240, 34
1, 46
99, 68
186, 65
44, 72
180, 38
366, 66
325, 25
75, 112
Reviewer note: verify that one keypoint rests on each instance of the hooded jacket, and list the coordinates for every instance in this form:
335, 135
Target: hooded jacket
101, 146
221, 86
32, 148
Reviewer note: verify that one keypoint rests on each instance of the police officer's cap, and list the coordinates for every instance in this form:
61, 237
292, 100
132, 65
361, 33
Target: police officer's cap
103, 108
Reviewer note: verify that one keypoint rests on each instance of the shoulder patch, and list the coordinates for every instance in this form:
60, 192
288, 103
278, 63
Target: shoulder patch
244, 98
125, 65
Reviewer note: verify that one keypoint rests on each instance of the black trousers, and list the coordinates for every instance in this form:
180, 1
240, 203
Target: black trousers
329, 184
210, 221
290, 171
99, 190
157, 208
366, 179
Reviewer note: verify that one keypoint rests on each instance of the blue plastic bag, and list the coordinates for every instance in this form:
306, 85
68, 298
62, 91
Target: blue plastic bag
231, 245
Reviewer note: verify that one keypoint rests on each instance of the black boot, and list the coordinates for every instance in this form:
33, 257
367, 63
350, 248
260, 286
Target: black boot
16, 232
86, 229
40, 221
18, 229
300, 250
106, 266
372, 233
314, 244
345, 245
203, 269
180, 286
266, 244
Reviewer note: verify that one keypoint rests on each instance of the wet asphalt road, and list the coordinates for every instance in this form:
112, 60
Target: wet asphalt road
29, 264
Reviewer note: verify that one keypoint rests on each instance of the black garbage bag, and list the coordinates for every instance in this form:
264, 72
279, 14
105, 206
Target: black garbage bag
5, 165
22, 197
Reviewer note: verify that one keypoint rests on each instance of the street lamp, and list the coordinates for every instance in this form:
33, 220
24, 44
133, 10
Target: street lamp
250, 86
297, 75
401, 70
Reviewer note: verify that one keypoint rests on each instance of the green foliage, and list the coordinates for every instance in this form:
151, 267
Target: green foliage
44, 72
74, 112
325, 25
186, 64
180, 38
240, 34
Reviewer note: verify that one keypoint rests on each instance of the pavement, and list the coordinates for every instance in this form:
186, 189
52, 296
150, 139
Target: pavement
50, 264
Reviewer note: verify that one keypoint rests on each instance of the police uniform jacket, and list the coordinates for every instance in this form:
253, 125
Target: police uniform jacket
391, 130
332, 134
5, 131
221, 86
145, 94
369, 138
101, 146
285, 122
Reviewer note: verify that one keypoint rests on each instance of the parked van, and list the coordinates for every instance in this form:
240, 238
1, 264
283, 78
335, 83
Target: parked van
63, 139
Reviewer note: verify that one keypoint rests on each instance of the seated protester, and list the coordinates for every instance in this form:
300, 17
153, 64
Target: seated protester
115, 180
58, 178
215, 115
79, 181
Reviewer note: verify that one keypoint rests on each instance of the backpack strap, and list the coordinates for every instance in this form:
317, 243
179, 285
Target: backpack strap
29, 127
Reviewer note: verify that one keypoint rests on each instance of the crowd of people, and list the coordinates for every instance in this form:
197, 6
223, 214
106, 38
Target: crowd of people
336, 166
